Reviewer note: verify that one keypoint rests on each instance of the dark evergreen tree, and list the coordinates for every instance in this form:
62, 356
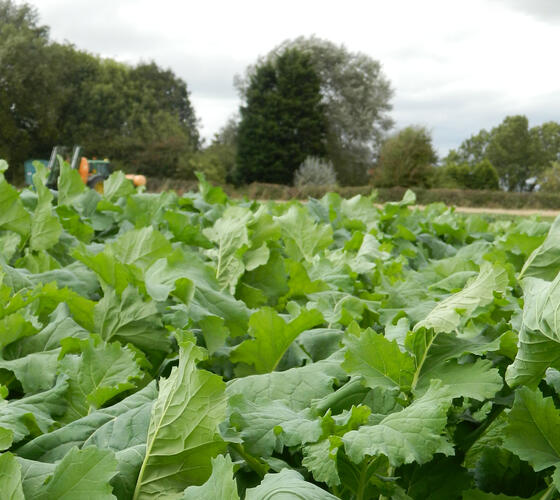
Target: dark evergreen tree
282, 122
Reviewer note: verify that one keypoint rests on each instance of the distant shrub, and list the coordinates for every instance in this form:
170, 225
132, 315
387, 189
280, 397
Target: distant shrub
549, 180
406, 159
482, 176
315, 172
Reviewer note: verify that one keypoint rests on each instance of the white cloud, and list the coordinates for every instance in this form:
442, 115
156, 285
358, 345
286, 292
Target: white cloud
456, 66
544, 10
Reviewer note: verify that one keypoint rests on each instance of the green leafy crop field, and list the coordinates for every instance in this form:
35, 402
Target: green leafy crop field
199, 347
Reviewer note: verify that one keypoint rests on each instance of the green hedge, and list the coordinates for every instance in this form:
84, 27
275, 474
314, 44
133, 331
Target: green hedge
457, 197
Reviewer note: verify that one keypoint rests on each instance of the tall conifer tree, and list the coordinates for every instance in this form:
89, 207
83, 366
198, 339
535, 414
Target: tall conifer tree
283, 120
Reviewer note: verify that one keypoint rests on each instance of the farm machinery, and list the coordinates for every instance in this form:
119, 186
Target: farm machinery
92, 171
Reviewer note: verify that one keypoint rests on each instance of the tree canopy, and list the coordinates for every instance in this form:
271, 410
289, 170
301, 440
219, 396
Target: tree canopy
356, 95
483, 176
139, 116
27, 120
283, 120
406, 158
518, 153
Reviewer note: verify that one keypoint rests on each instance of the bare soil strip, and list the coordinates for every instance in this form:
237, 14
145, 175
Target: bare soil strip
499, 211
507, 211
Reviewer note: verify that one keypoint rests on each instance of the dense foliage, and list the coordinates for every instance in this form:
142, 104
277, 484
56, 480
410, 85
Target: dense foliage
406, 159
518, 153
282, 122
549, 179
483, 175
356, 95
140, 117
198, 347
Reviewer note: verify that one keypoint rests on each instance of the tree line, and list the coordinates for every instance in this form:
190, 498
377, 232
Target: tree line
50, 93
308, 103
311, 102
511, 156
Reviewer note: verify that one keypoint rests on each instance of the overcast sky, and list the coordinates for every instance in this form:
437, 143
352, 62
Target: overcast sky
455, 66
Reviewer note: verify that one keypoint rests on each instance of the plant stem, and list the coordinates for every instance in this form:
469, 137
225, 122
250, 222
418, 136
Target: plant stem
549, 494
390, 472
420, 363
259, 467
364, 476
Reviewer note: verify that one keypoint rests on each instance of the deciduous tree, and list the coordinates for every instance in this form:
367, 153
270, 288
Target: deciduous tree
27, 97
518, 152
406, 158
141, 117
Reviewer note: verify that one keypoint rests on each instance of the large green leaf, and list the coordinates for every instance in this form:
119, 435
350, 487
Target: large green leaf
13, 216
540, 309
130, 319
220, 485
231, 237
321, 458
33, 414
75, 276
48, 297
162, 276
539, 338
287, 485
99, 373
117, 186
70, 185
45, 227
60, 325
34, 475
532, 431
122, 428
184, 230
266, 427
10, 478
379, 361
183, 433
446, 316
476, 380
36, 371
303, 237
341, 308
109, 270
15, 327
544, 261
145, 209
271, 337
208, 299
117, 427
74, 224
296, 387
535, 354
82, 473
434, 350
140, 247
414, 434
